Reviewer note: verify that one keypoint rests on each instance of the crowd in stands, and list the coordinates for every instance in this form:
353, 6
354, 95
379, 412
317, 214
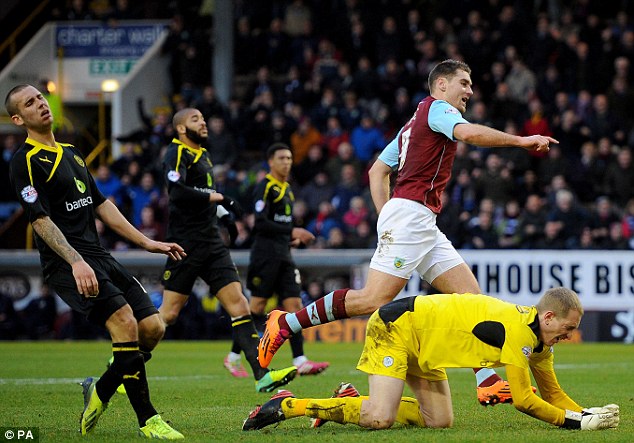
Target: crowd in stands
335, 80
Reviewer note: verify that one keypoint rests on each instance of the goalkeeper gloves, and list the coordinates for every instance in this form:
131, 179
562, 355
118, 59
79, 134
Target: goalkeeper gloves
231, 205
593, 419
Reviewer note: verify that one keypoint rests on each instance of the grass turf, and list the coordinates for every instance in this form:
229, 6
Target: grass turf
190, 388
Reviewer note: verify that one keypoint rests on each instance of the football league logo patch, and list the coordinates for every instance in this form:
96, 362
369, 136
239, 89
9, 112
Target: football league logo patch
259, 206
29, 194
451, 110
173, 176
388, 361
527, 351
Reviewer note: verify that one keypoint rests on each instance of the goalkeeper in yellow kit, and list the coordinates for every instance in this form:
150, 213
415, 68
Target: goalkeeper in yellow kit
413, 340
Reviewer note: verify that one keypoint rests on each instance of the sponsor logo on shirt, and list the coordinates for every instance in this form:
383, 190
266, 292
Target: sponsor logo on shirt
282, 218
29, 194
79, 203
173, 176
207, 190
81, 187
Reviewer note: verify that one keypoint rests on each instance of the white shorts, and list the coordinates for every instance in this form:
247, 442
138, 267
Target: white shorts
410, 240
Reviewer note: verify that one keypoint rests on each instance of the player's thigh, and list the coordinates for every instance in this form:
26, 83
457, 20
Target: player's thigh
458, 279
380, 288
434, 397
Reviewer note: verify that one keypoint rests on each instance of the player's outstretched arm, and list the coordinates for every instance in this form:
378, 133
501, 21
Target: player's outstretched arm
85, 277
110, 215
480, 135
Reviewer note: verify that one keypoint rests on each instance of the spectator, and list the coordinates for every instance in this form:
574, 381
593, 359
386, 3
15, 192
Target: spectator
40, 314
109, 184
346, 189
8, 200
314, 291
149, 226
336, 239
222, 146
314, 162
568, 217
586, 174
367, 139
334, 136
602, 217
303, 138
209, 105
495, 182
357, 213
146, 193
483, 235
616, 239
552, 238
324, 221
532, 222
618, 182
318, 190
508, 226
363, 237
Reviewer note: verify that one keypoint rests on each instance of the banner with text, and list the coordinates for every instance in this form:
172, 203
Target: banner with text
604, 280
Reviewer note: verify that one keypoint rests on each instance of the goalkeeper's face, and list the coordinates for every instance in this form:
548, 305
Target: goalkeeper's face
556, 328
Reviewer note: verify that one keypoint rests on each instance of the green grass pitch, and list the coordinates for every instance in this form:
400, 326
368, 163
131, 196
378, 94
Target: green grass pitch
190, 388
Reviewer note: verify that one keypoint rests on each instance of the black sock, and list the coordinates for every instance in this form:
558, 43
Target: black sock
128, 362
146, 353
297, 344
246, 337
260, 322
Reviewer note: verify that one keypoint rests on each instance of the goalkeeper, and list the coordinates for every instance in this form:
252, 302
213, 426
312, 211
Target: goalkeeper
414, 339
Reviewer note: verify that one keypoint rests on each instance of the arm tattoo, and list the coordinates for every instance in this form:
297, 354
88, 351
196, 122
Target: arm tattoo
54, 238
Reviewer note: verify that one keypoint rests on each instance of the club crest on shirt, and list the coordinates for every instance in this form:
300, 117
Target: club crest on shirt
173, 176
388, 361
29, 194
167, 275
399, 262
527, 351
79, 161
451, 110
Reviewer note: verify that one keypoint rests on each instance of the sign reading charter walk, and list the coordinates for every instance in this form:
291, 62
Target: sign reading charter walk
100, 40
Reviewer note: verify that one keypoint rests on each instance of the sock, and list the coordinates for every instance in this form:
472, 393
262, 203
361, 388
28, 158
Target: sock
260, 322
247, 339
128, 363
145, 352
486, 377
409, 412
294, 407
235, 348
297, 344
233, 357
298, 361
328, 308
340, 410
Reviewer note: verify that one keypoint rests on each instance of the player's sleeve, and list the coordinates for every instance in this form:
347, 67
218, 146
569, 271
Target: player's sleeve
443, 118
527, 402
28, 188
389, 155
175, 174
263, 224
542, 367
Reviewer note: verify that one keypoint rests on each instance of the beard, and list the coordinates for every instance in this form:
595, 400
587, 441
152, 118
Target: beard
194, 136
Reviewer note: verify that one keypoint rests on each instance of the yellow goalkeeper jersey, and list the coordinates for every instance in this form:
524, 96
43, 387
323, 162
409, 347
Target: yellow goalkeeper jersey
475, 330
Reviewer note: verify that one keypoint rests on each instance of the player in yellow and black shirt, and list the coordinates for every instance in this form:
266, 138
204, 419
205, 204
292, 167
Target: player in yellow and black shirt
272, 270
413, 340
61, 201
194, 208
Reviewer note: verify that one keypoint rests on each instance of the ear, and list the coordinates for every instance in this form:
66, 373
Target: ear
17, 120
441, 84
181, 129
549, 315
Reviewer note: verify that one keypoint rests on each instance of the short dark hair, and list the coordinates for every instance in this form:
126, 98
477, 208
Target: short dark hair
9, 104
447, 68
271, 150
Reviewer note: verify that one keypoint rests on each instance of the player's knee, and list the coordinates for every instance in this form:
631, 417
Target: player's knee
381, 422
123, 320
441, 421
169, 316
151, 331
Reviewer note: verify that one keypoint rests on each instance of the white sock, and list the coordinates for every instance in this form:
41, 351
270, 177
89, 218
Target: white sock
483, 374
233, 357
298, 361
